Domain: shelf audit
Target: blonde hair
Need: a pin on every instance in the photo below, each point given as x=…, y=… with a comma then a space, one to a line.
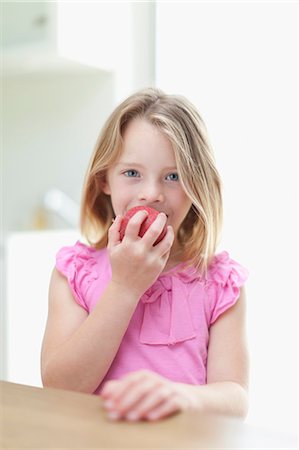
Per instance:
x=181, y=123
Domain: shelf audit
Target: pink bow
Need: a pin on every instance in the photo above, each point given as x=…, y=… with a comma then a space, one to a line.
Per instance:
x=167, y=317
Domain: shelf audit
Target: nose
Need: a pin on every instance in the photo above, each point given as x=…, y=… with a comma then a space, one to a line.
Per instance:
x=151, y=193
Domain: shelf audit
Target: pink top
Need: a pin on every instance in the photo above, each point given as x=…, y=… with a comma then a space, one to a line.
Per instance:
x=169, y=330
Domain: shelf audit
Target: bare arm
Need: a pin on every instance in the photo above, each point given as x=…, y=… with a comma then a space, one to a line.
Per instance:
x=228, y=358
x=78, y=348
x=226, y=390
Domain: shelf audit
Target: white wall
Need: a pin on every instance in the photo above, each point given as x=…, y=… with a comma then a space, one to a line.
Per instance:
x=117, y=36
x=52, y=114
x=50, y=126
x=237, y=62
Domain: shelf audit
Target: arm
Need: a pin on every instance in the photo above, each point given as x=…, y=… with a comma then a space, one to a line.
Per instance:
x=226, y=390
x=78, y=348
x=148, y=395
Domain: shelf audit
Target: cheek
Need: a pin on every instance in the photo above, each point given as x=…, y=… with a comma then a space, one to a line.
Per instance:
x=181, y=208
x=183, y=202
x=120, y=200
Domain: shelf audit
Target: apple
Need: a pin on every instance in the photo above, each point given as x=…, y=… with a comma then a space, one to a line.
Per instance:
x=152, y=214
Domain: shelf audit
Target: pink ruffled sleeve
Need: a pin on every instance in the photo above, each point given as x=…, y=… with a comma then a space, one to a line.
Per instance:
x=78, y=264
x=226, y=277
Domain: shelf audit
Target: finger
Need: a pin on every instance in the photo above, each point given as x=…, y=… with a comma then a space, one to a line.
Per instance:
x=113, y=391
x=131, y=400
x=120, y=387
x=112, y=395
x=165, y=244
x=109, y=388
x=149, y=402
x=139, y=396
x=113, y=232
x=165, y=409
x=116, y=389
x=134, y=224
x=155, y=229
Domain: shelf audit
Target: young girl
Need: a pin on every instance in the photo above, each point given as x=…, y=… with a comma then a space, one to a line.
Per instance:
x=154, y=329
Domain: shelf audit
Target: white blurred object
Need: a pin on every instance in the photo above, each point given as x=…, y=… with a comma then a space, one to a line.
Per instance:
x=29, y=258
x=58, y=202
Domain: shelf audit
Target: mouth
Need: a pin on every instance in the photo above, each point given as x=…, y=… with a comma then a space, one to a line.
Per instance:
x=167, y=215
x=163, y=213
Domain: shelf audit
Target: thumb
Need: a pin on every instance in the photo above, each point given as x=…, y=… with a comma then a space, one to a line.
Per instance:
x=113, y=232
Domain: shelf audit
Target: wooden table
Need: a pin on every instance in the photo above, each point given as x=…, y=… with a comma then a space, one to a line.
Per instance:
x=39, y=418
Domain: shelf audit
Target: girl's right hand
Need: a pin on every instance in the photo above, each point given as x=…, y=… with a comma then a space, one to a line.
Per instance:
x=136, y=263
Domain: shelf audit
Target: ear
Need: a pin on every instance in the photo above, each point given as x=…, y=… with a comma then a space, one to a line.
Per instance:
x=104, y=185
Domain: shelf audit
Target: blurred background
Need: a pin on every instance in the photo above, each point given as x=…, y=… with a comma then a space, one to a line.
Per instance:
x=65, y=66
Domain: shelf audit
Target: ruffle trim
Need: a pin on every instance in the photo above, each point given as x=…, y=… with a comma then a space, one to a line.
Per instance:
x=225, y=279
x=167, y=316
x=79, y=265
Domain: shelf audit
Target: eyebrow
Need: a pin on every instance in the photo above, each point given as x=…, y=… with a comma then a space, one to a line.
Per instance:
x=133, y=164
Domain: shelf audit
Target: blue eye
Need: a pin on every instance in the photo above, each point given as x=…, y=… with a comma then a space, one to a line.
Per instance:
x=173, y=177
x=131, y=173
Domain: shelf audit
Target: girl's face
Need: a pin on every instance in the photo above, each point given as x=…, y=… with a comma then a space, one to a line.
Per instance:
x=146, y=175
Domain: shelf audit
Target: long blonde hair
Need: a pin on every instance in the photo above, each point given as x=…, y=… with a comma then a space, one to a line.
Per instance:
x=181, y=123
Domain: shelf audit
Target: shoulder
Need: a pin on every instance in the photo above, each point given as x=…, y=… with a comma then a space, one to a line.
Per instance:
x=78, y=257
x=223, y=269
x=78, y=249
x=82, y=265
x=225, y=280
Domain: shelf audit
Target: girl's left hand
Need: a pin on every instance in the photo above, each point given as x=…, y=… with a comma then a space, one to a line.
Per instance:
x=146, y=395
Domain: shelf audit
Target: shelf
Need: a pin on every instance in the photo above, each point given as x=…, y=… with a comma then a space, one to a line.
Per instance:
x=39, y=59
x=42, y=37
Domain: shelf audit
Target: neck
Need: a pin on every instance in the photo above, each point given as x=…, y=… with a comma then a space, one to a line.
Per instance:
x=175, y=257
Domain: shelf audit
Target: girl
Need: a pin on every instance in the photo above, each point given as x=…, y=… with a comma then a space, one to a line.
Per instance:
x=154, y=329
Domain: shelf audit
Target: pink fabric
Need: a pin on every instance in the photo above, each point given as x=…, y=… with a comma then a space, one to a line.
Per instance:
x=169, y=330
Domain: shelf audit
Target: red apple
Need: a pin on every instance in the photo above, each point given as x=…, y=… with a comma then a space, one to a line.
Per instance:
x=152, y=214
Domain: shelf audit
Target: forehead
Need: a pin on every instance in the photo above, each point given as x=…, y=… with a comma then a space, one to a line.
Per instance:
x=141, y=139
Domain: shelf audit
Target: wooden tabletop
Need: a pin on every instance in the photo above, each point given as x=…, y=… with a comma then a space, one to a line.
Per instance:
x=51, y=418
